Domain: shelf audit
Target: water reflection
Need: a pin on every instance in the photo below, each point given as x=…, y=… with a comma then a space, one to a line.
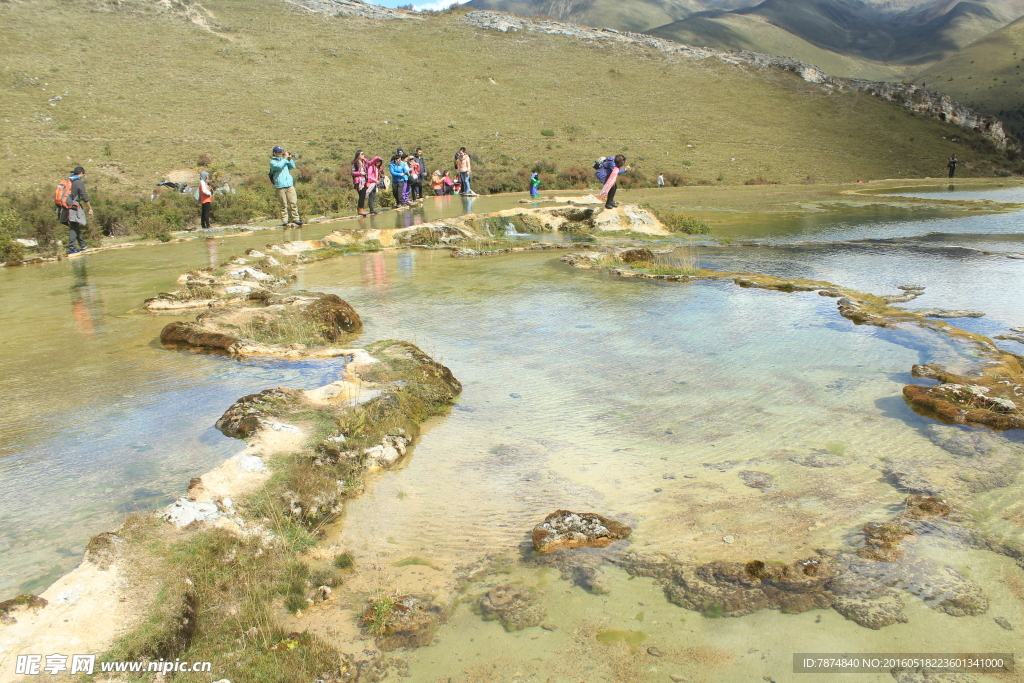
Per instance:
x=86, y=304
x=212, y=252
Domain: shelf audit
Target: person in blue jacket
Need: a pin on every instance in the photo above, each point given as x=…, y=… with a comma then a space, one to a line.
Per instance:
x=281, y=166
x=399, y=179
x=535, y=185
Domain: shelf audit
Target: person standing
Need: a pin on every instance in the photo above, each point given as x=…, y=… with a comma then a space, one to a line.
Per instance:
x=415, y=179
x=373, y=176
x=281, y=166
x=422, y=163
x=464, y=167
x=661, y=180
x=436, y=183
x=70, y=211
x=205, y=200
x=399, y=180
x=952, y=165
x=359, y=180
x=608, y=173
x=535, y=185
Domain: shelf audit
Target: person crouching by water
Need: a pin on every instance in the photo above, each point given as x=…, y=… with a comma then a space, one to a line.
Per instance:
x=359, y=180
x=205, y=193
x=71, y=213
x=399, y=179
x=281, y=166
x=373, y=176
x=608, y=172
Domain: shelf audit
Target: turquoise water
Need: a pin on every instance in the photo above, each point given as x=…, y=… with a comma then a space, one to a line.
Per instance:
x=581, y=392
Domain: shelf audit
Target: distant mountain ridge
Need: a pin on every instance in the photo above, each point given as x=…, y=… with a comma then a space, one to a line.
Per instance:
x=895, y=36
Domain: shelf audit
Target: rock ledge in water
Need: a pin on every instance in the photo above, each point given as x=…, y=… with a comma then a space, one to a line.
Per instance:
x=565, y=529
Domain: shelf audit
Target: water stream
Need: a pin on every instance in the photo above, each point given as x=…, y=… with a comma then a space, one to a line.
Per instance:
x=581, y=392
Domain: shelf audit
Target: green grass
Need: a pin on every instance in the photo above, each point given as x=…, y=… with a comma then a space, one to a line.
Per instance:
x=986, y=75
x=127, y=121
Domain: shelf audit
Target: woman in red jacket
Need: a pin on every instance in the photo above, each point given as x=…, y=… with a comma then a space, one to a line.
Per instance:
x=372, y=178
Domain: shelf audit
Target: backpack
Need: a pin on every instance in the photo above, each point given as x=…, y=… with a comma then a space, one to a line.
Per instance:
x=600, y=161
x=62, y=196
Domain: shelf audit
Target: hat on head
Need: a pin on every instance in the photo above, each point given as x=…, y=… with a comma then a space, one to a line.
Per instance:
x=78, y=170
x=203, y=175
x=277, y=150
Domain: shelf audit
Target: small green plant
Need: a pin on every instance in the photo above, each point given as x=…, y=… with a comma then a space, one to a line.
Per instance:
x=548, y=133
x=344, y=561
x=378, y=617
x=10, y=227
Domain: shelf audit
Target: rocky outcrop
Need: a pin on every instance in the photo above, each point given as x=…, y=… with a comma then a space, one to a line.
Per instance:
x=935, y=105
x=407, y=621
x=253, y=412
x=563, y=529
x=515, y=606
x=283, y=325
x=993, y=398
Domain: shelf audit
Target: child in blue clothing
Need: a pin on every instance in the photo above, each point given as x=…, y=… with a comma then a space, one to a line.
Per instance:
x=535, y=185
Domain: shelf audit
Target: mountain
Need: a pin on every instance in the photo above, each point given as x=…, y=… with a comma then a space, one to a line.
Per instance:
x=987, y=74
x=244, y=75
x=892, y=37
x=621, y=15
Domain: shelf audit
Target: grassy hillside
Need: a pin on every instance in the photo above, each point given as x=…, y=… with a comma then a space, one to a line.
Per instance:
x=987, y=75
x=142, y=93
x=733, y=31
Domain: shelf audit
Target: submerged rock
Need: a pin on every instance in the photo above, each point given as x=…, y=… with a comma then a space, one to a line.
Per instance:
x=733, y=589
x=565, y=529
x=756, y=480
x=514, y=606
x=819, y=460
x=882, y=540
x=874, y=613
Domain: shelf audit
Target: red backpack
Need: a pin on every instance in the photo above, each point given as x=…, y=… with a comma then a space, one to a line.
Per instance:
x=62, y=197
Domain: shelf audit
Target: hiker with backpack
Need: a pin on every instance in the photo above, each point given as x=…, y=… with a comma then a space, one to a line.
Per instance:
x=69, y=198
x=608, y=170
x=281, y=166
x=205, y=196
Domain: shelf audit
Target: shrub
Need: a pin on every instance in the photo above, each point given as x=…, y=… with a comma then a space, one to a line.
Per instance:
x=548, y=133
x=10, y=227
x=674, y=179
x=575, y=177
x=204, y=159
x=760, y=180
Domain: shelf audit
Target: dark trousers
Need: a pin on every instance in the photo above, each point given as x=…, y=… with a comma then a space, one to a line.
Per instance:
x=417, y=189
x=204, y=219
x=399, y=189
x=362, y=197
x=611, y=196
x=371, y=197
x=76, y=233
x=952, y=171
x=464, y=181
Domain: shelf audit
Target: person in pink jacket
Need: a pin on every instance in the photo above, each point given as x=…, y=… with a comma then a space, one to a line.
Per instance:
x=372, y=178
x=359, y=180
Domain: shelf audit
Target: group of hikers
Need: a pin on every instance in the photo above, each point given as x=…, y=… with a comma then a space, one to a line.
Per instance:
x=405, y=175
